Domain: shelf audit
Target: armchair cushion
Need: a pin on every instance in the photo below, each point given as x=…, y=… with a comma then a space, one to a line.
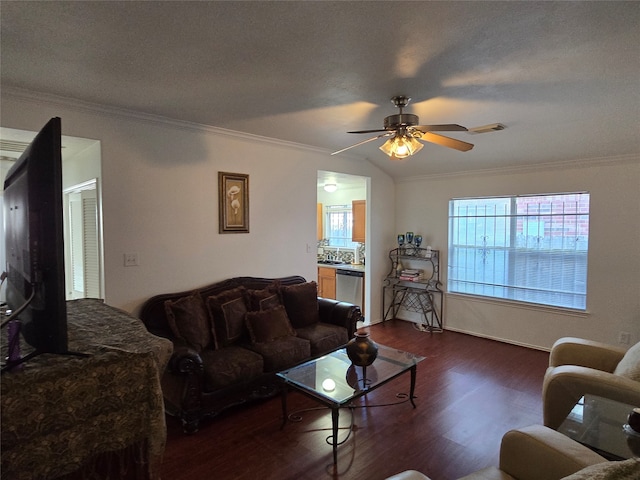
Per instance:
x=188, y=320
x=629, y=366
x=268, y=325
x=301, y=302
x=625, y=470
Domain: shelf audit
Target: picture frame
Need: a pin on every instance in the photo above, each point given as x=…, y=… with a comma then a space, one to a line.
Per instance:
x=233, y=202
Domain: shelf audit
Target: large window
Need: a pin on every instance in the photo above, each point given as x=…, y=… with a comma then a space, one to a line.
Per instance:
x=524, y=248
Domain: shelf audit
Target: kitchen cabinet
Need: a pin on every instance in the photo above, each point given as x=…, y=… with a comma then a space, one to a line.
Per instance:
x=319, y=222
x=359, y=212
x=327, y=282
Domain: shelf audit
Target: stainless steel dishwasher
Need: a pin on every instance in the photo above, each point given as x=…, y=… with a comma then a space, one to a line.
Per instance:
x=349, y=284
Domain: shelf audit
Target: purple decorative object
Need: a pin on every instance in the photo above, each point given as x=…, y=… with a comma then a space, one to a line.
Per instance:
x=13, y=337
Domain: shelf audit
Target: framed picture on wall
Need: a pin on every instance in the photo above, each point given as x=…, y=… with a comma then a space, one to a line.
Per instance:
x=233, y=202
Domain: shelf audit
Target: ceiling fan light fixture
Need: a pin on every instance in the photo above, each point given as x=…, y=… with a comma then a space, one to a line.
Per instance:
x=401, y=146
x=330, y=187
x=404, y=132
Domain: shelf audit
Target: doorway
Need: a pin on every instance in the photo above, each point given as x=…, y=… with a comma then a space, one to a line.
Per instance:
x=82, y=241
x=341, y=200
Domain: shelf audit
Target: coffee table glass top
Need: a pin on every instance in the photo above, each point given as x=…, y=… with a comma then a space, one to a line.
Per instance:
x=598, y=423
x=332, y=378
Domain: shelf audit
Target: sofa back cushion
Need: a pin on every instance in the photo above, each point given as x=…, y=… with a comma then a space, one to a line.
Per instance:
x=227, y=311
x=189, y=321
x=268, y=325
x=263, y=299
x=301, y=302
x=629, y=366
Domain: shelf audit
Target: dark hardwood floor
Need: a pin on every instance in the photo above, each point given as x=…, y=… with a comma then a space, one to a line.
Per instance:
x=470, y=391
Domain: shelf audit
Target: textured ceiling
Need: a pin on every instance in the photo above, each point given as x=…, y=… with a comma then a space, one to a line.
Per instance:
x=562, y=76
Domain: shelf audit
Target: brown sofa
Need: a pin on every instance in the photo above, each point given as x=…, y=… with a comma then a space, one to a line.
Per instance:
x=231, y=337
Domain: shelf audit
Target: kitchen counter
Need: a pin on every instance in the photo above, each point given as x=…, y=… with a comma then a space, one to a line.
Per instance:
x=343, y=266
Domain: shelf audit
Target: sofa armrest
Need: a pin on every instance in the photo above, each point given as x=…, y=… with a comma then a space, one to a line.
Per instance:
x=185, y=360
x=563, y=386
x=585, y=353
x=186, y=370
x=343, y=314
x=536, y=452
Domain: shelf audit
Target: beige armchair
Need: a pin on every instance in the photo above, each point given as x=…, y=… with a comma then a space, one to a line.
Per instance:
x=578, y=367
x=532, y=453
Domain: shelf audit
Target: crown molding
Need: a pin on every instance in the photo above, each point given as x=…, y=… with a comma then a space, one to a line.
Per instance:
x=548, y=166
x=144, y=118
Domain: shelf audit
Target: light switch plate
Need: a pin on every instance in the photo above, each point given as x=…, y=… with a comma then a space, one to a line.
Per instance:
x=130, y=259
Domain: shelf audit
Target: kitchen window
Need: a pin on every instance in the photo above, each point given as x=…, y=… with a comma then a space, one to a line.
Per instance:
x=339, y=224
x=530, y=248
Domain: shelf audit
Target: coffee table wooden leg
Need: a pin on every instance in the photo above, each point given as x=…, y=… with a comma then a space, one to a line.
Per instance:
x=335, y=412
x=414, y=370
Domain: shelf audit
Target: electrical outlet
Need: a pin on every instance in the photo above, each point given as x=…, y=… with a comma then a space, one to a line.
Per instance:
x=130, y=259
x=624, y=338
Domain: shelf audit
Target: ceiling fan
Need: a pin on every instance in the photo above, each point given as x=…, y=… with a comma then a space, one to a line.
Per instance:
x=405, y=132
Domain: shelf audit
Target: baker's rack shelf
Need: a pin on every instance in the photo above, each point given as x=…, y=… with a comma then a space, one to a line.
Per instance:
x=421, y=293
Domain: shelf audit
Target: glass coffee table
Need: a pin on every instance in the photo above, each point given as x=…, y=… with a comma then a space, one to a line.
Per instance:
x=599, y=423
x=334, y=381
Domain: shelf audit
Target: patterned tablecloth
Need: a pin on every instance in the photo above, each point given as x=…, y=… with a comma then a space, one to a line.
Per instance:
x=60, y=413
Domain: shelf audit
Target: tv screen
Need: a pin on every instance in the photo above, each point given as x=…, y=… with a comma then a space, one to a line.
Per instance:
x=34, y=239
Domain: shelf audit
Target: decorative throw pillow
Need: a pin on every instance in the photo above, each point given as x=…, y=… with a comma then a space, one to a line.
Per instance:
x=301, y=302
x=188, y=320
x=227, y=311
x=624, y=470
x=629, y=366
x=264, y=299
x=267, y=325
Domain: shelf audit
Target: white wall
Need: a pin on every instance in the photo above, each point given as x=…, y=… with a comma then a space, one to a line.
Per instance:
x=159, y=182
x=613, y=296
x=160, y=199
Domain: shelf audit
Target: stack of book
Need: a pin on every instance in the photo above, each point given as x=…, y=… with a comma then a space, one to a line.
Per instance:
x=410, y=275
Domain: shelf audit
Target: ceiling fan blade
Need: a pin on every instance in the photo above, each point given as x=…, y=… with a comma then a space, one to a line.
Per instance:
x=371, y=131
x=365, y=141
x=447, y=142
x=448, y=127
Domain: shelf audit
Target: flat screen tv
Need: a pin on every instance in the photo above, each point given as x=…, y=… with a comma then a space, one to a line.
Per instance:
x=34, y=239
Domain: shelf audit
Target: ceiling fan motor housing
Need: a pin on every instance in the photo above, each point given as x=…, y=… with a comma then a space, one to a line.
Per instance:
x=400, y=120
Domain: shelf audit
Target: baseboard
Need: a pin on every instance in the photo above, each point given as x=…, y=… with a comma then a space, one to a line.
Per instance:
x=480, y=335
x=498, y=339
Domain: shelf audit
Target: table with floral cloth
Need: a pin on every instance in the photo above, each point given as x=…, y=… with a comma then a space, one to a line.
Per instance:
x=62, y=415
